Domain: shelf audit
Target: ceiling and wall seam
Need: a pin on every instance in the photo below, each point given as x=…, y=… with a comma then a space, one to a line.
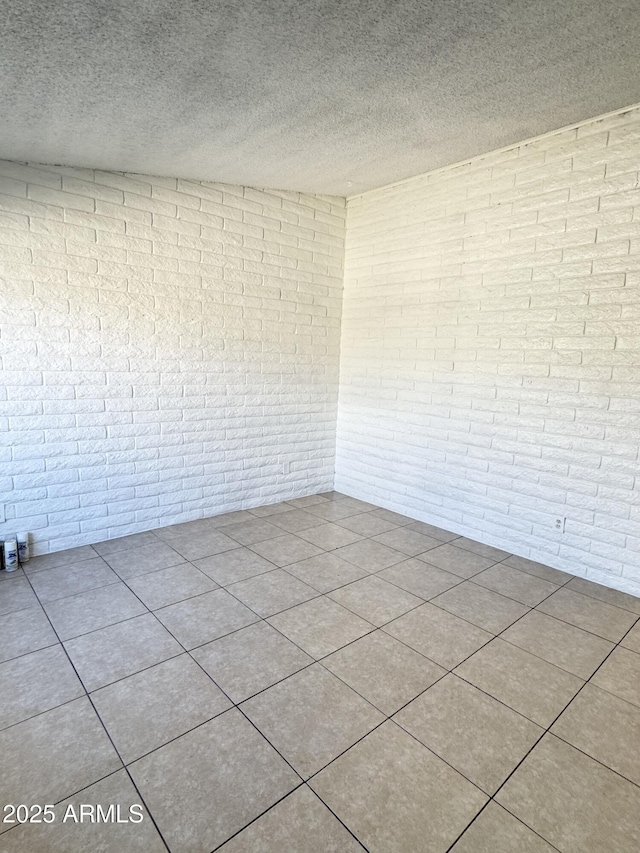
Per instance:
x=495, y=152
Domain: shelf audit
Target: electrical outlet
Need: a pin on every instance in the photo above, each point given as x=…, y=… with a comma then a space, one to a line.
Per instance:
x=3, y=514
x=558, y=524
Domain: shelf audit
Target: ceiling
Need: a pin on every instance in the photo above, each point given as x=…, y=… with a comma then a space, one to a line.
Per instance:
x=332, y=97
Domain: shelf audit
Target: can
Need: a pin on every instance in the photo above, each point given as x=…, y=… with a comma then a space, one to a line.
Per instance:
x=10, y=555
x=23, y=547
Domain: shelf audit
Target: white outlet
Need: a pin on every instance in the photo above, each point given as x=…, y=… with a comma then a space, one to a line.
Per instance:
x=558, y=524
x=3, y=514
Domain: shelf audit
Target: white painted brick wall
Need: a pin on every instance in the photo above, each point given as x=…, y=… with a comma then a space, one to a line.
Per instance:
x=168, y=350
x=490, y=367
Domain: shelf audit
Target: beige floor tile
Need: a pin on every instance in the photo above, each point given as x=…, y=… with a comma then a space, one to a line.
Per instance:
x=479, y=736
x=17, y=595
x=605, y=593
x=480, y=548
x=320, y=626
x=297, y=520
x=574, y=802
x=249, y=660
x=204, y=618
x=250, y=532
x=225, y=518
x=61, y=558
x=520, y=586
x=538, y=569
x=456, y=560
x=150, y=708
x=370, y=556
x=375, y=599
x=620, y=675
x=208, y=784
x=25, y=631
x=106, y=837
x=396, y=796
x=6, y=577
x=89, y=611
x=61, y=581
x=125, y=543
x=441, y=636
x=335, y=510
x=529, y=685
x=632, y=639
x=606, y=728
x=131, y=562
x=167, y=586
x=408, y=541
x=272, y=592
x=35, y=683
x=329, y=536
x=383, y=670
x=366, y=524
x=311, y=717
x=588, y=613
x=397, y=790
x=286, y=549
x=497, y=831
x=233, y=566
x=325, y=572
x=270, y=509
x=420, y=578
x=300, y=823
x=49, y=757
x=197, y=527
x=481, y=606
x=120, y=650
x=562, y=644
x=354, y=503
x=394, y=517
x=310, y=500
x=198, y=546
x=431, y=530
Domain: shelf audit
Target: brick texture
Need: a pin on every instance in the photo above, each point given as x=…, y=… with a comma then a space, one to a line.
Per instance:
x=169, y=350
x=490, y=357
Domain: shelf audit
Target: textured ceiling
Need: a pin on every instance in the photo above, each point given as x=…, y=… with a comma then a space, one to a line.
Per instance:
x=335, y=97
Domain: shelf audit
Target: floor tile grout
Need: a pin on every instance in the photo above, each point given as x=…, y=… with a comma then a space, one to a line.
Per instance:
x=547, y=731
x=108, y=734
x=374, y=628
x=319, y=595
x=407, y=557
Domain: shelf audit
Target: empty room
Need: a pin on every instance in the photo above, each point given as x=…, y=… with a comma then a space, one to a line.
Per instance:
x=319, y=426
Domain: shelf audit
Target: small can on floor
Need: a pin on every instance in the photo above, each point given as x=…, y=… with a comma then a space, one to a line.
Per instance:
x=10, y=555
x=23, y=547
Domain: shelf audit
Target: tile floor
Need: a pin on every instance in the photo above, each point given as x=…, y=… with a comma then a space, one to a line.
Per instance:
x=316, y=676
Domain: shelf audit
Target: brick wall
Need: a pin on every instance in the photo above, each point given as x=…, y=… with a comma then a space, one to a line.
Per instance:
x=490, y=368
x=169, y=350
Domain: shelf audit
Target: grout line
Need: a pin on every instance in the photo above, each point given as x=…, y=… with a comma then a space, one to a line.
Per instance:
x=257, y=817
x=319, y=660
x=320, y=594
x=476, y=816
x=338, y=818
x=546, y=732
x=117, y=752
x=234, y=705
x=182, y=734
